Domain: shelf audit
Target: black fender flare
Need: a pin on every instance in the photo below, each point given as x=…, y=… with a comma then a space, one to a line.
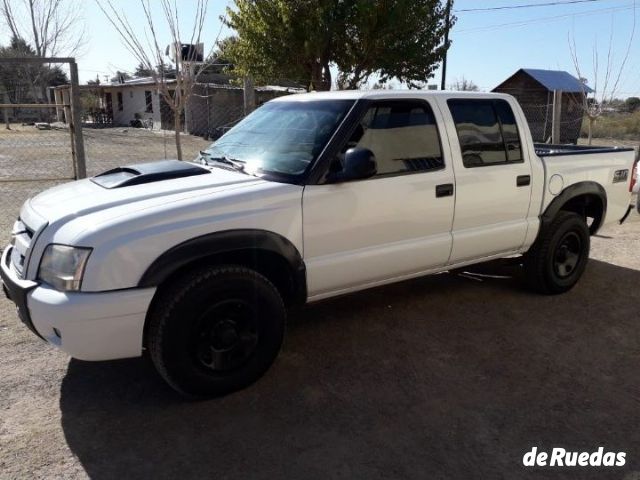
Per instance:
x=228, y=241
x=574, y=191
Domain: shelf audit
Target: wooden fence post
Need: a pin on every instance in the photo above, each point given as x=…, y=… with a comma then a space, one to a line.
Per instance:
x=76, y=115
x=556, y=117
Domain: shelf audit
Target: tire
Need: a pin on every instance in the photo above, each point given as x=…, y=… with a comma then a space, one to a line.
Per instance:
x=559, y=256
x=216, y=330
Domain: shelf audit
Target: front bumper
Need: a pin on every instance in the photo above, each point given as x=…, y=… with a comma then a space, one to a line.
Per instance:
x=87, y=326
x=16, y=289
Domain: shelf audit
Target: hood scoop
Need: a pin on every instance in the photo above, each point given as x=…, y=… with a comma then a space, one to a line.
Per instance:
x=147, y=173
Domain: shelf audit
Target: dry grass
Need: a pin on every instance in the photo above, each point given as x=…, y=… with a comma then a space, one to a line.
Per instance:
x=621, y=126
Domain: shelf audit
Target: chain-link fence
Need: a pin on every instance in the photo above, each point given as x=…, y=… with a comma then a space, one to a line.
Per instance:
x=540, y=120
x=122, y=123
x=538, y=106
x=35, y=152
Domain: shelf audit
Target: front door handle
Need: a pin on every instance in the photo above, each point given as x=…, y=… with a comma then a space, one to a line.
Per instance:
x=445, y=190
x=523, y=180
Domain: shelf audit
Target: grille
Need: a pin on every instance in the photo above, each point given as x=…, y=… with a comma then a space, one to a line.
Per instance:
x=21, y=236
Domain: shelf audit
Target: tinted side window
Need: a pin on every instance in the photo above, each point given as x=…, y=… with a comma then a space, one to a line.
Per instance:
x=478, y=131
x=403, y=136
x=509, y=131
x=487, y=132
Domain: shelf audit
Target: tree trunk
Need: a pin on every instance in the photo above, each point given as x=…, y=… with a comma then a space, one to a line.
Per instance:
x=591, y=121
x=320, y=78
x=327, y=75
x=177, y=126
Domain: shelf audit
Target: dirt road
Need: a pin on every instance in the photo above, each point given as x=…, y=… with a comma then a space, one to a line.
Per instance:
x=451, y=376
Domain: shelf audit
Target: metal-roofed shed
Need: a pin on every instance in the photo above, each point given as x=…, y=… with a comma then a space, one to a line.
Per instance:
x=534, y=90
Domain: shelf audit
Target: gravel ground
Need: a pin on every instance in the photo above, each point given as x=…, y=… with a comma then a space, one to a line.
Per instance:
x=449, y=376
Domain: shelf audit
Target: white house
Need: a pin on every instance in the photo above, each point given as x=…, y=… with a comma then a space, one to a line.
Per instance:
x=210, y=109
x=137, y=98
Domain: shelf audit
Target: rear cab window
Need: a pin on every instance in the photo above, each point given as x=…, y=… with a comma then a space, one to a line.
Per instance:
x=487, y=131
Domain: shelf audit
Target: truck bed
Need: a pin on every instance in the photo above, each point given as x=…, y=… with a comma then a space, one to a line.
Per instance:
x=549, y=150
x=566, y=165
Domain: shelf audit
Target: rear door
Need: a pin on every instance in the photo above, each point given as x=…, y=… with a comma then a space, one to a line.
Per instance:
x=493, y=178
x=393, y=225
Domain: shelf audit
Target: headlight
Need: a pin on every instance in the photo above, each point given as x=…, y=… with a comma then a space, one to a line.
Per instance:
x=62, y=266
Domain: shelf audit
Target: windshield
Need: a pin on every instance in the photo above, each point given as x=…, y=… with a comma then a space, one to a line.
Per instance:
x=281, y=137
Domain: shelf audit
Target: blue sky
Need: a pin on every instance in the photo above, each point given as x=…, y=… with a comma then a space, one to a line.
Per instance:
x=488, y=46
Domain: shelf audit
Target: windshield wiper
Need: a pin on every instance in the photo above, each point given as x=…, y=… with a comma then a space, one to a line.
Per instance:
x=236, y=164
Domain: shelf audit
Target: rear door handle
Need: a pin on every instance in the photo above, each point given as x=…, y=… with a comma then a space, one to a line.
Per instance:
x=445, y=190
x=523, y=180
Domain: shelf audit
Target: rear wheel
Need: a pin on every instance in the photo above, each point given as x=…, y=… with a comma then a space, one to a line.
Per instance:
x=216, y=330
x=557, y=259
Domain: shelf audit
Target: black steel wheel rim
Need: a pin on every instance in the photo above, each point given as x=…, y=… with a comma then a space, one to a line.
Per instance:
x=567, y=255
x=226, y=335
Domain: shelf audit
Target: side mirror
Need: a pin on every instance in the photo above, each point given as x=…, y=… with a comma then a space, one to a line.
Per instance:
x=358, y=164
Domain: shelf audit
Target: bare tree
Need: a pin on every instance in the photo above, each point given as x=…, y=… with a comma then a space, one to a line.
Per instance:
x=610, y=81
x=464, y=85
x=50, y=27
x=145, y=47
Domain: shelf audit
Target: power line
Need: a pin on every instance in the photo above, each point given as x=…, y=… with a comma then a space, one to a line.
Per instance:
x=546, y=19
x=529, y=5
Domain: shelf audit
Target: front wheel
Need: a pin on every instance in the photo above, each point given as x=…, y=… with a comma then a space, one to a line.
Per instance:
x=216, y=330
x=559, y=256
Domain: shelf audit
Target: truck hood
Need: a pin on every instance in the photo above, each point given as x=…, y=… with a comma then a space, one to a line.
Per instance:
x=120, y=186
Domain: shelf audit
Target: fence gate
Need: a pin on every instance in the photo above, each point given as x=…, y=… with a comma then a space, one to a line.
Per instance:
x=33, y=146
x=41, y=140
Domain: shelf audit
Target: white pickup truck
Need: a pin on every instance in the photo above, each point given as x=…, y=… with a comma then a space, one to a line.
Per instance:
x=309, y=197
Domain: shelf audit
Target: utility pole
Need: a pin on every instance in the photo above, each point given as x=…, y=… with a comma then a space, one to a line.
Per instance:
x=446, y=40
x=249, y=96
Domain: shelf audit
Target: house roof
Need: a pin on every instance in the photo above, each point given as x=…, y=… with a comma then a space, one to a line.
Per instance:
x=137, y=82
x=554, y=80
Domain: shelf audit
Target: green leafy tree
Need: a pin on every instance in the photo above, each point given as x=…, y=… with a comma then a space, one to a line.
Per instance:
x=302, y=39
x=219, y=61
x=119, y=76
x=632, y=104
x=95, y=83
x=142, y=71
x=27, y=83
x=166, y=70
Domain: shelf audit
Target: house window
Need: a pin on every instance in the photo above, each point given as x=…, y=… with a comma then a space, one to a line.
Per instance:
x=109, y=99
x=148, y=101
x=120, y=102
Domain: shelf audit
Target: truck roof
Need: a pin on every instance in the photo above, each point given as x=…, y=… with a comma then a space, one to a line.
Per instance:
x=385, y=94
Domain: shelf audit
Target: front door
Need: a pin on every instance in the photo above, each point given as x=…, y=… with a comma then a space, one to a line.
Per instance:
x=393, y=225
